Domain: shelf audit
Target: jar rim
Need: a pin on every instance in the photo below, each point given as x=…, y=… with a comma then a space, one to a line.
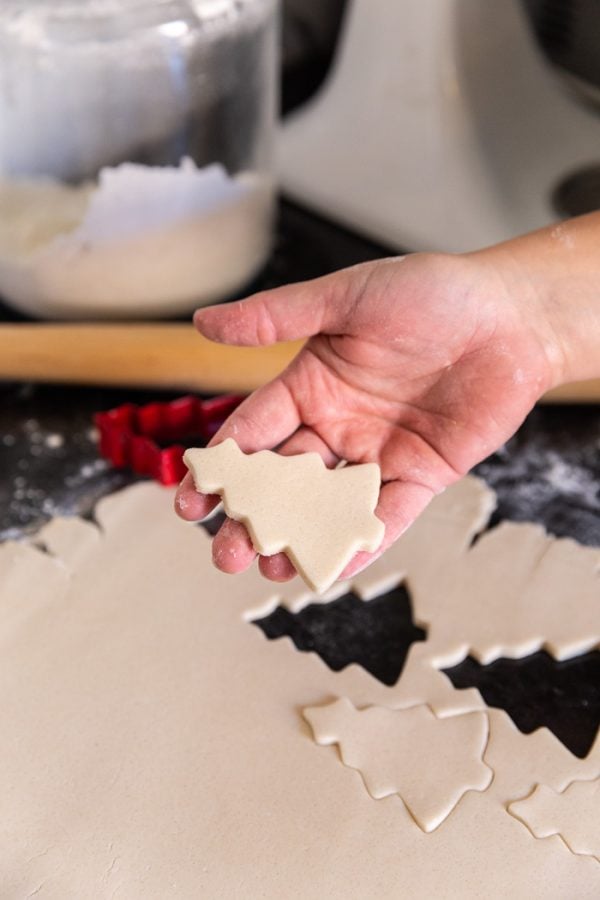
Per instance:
x=203, y=10
x=78, y=21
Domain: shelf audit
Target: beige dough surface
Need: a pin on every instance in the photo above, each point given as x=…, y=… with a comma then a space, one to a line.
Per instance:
x=389, y=746
x=319, y=517
x=153, y=744
x=573, y=814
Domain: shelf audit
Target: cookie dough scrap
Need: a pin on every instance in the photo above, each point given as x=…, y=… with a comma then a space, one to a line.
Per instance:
x=573, y=815
x=429, y=762
x=516, y=591
x=319, y=517
x=525, y=582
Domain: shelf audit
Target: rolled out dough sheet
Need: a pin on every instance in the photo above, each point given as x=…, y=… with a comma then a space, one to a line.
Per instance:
x=153, y=746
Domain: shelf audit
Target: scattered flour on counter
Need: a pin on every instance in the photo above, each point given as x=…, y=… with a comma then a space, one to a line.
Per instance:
x=570, y=479
x=146, y=240
x=91, y=469
x=43, y=482
x=559, y=486
x=54, y=441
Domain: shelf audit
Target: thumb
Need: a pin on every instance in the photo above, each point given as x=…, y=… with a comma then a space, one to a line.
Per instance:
x=290, y=313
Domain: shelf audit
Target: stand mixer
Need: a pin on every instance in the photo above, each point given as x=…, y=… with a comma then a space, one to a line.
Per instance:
x=445, y=125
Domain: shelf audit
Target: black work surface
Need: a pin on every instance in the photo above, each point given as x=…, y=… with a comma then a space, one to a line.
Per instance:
x=549, y=473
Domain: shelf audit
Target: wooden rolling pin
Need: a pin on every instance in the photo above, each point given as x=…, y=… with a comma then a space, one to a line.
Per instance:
x=161, y=356
x=136, y=355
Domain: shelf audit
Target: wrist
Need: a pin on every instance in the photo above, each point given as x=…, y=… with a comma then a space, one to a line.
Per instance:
x=526, y=307
x=553, y=278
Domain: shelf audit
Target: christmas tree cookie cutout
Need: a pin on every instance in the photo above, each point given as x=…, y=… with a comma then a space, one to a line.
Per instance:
x=319, y=517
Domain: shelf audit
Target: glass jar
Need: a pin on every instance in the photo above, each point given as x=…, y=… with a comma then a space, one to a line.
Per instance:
x=135, y=153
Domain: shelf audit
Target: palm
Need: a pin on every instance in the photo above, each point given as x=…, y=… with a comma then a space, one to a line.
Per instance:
x=428, y=429
x=425, y=370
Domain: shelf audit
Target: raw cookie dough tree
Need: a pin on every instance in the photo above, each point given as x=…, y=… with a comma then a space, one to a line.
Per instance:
x=319, y=517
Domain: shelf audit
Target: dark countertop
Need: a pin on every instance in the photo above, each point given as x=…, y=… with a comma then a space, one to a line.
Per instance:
x=548, y=473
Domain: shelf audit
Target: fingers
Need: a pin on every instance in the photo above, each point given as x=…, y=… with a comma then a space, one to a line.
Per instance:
x=232, y=548
x=285, y=314
x=276, y=568
x=264, y=419
x=399, y=505
x=192, y=506
x=233, y=553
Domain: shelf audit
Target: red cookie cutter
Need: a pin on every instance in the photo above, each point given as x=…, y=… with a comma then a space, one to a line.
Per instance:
x=133, y=437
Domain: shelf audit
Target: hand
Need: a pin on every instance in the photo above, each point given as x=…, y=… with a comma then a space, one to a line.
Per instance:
x=425, y=365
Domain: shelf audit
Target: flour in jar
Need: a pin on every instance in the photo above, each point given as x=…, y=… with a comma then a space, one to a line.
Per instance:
x=143, y=240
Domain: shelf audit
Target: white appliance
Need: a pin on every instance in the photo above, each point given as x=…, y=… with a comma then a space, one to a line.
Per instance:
x=442, y=125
